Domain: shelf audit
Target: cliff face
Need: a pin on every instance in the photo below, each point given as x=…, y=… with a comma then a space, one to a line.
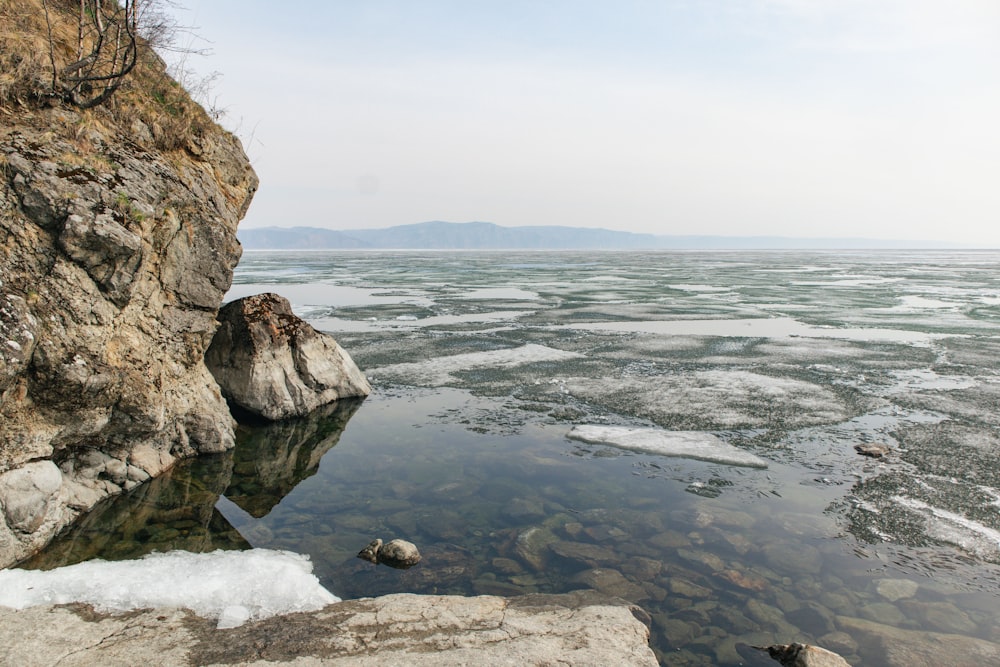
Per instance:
x=114, y=258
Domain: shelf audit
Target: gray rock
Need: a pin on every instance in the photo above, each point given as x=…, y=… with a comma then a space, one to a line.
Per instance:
x=804, y=655
x=399, y=553
x=274, y=364
x=575, y=629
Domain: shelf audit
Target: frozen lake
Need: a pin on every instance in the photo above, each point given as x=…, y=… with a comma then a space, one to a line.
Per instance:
x=714, y=401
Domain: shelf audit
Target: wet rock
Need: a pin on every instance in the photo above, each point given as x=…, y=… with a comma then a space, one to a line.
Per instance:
x=883, y=611
x=745, y=580
x=641, y=568
x=610, y=582
x=395, y=553
x=370, y=552
x=940, y=616
x=532, y=547
x=894, y=590
x=804, y=655
x=524, y=509
x=688, y=589
x=399, y=553
x=274, y=364
x=703, y=558
x=839, y=642
x=893, y=647
x=506, y=566
x=875, y=450
x=786, y=558
x=590, y=555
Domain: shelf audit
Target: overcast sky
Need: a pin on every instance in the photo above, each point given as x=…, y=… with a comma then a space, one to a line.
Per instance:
x=853, y=118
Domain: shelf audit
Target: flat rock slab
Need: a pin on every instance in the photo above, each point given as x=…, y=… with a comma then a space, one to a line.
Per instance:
x=581, y=628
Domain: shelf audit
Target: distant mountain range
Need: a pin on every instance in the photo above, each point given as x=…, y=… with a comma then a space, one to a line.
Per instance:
x=488, y=236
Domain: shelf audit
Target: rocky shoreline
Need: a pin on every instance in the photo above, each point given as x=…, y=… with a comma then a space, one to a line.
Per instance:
x=578, y=628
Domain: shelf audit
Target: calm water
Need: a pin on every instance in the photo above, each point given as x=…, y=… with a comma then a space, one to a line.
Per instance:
x=483, y=362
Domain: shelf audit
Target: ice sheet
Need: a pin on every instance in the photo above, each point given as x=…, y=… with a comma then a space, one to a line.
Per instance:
x=438, y=371
x=231, y=587
x=686, y=444
x=956, y=529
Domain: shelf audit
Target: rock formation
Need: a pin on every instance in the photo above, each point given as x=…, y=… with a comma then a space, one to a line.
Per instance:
x=274, y=364
x=580, y=628
x=116, y=253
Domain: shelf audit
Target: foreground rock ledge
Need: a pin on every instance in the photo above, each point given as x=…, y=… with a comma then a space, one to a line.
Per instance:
x=581, y=628
x=274, y=364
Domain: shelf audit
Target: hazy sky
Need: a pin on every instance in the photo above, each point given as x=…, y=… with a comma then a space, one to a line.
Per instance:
x=872, y=118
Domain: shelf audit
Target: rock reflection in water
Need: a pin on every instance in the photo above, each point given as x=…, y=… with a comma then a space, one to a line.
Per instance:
x=178, y=509
x=271, y=459
x=173, y=511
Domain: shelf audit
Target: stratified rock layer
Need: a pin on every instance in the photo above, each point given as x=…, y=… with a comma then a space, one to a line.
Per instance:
x=274, y=364
x=114, y=260
x=574, y=629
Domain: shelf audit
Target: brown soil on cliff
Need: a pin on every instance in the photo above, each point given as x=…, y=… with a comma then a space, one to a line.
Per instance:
x=150, y=107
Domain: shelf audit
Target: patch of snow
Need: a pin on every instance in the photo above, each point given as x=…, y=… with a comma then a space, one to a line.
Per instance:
x=231, y=587
x=685, y=444
x=407, y=318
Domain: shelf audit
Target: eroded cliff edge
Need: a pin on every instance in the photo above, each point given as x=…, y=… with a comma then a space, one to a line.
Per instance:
x=117, y=244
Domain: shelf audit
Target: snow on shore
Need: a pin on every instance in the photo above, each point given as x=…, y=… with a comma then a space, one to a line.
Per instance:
x=231, y=587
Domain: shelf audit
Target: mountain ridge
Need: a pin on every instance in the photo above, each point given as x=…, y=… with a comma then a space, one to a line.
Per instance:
x=441, y=235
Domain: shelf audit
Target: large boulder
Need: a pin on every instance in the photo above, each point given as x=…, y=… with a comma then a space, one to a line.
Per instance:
x=270, y=362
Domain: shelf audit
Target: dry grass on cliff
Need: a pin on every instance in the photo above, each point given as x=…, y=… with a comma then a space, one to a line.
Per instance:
x=149, y=108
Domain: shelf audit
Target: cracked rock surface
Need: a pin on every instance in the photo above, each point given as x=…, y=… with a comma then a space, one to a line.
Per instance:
x=114, y=258
x=580, y=628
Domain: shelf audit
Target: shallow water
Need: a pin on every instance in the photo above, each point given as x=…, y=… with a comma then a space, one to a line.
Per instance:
x=483, y=363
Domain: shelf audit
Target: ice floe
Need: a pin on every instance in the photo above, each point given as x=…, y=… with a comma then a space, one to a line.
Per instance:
x=762, y=327
x=956, y=529
x=685, y=444
x=438, y=371
x=231, y=587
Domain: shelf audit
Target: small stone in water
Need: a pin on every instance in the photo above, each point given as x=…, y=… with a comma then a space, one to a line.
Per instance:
x=370, y=553
x=875, y=450
x=399, y=553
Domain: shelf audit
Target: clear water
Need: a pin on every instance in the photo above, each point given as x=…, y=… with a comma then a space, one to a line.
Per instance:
x=483, y=362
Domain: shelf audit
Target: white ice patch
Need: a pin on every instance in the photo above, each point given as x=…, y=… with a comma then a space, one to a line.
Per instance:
x=763, y=327
x=438, y=371
x=501, y=293
x=925, y=378
x=685, y=444
x=956, y=529
x=231, y=587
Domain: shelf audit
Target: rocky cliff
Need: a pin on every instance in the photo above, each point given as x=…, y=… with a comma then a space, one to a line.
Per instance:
x=117, y=244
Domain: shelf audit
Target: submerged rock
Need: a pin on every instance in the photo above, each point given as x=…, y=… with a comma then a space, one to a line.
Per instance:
x=272, y=363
